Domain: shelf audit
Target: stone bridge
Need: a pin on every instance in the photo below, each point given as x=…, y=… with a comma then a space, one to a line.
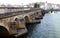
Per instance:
x=11, y=22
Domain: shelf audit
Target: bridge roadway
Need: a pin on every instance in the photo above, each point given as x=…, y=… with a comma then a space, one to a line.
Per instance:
x=25, y=10
x=10, y=14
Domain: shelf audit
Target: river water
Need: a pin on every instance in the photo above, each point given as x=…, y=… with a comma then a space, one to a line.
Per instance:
x=48, y=28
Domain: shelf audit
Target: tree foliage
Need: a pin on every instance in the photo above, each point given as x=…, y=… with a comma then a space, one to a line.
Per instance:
x=36, y=5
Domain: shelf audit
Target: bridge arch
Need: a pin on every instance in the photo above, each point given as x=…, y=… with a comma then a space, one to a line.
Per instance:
x=16, y=18
x=4, y=30
x=27, y=19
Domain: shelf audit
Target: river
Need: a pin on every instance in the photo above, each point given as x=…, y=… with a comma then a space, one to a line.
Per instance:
x=48, y=28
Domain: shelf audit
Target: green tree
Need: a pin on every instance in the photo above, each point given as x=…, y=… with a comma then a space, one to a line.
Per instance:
x=36, y=5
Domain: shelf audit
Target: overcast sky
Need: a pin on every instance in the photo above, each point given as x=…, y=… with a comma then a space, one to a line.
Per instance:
x=24, y=2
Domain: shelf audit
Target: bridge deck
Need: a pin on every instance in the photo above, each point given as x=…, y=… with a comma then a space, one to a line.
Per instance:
x=10, y=14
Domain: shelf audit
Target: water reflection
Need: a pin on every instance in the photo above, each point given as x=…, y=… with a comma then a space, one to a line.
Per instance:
x=48, y=28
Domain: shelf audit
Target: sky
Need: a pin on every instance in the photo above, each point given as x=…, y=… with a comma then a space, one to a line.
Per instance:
x=24, y=2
